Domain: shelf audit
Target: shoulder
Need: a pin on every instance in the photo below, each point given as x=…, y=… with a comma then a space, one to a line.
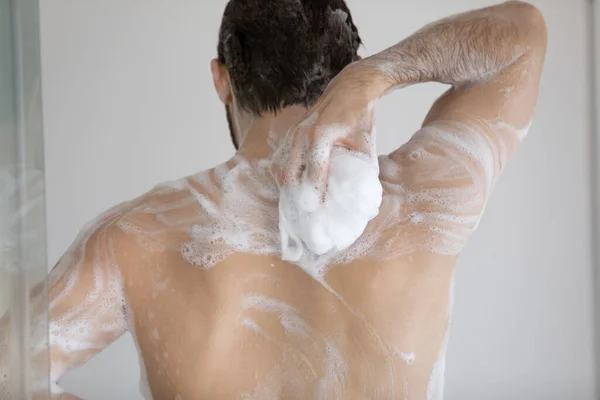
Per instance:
x=438, y=183
x=121, y=228
x=457, y=160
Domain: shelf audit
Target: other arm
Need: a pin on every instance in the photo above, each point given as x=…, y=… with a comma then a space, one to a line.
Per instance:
x=86, y=308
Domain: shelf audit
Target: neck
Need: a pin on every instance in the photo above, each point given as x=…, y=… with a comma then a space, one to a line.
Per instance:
x=260, y=136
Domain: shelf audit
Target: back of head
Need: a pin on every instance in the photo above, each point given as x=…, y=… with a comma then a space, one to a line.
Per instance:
x=281, y=53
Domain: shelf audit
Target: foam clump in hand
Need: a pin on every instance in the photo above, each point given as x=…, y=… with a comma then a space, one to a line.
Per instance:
x=352, y=199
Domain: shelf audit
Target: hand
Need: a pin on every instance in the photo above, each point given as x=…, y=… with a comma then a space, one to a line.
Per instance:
x=327, y=172
x=342, y=117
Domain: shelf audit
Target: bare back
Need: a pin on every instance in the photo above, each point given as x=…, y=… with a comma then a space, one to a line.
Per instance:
x=195, y=269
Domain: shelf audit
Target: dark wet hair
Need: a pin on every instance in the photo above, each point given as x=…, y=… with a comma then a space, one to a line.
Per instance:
x=285, y=52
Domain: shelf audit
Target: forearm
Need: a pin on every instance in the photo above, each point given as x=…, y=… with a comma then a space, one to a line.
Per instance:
x=462, y=49
x=39, y=360
x=40, y=383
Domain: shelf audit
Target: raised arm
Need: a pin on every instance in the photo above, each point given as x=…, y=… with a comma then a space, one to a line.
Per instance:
x=87, y=308
x=493, y=58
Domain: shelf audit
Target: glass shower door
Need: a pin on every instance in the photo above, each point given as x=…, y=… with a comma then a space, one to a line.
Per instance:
x=24, y=366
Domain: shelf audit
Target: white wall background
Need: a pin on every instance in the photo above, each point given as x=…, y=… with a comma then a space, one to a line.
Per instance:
x=129, y=102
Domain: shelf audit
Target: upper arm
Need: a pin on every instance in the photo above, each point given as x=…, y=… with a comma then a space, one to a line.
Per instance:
x=449, y=167
x=87, y=307
x=482, y=123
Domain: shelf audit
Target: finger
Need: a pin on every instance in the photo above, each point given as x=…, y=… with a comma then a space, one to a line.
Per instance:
x=277, y=173
x=317, y=168
x=278, y=161
x=293, y=164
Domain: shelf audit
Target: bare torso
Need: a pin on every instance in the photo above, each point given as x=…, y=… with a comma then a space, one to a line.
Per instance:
x=217, y=314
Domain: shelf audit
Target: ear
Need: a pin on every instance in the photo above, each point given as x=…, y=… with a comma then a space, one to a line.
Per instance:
x=221, y=81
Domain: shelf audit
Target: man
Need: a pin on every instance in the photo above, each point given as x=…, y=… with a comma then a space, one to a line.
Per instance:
x=194, y=269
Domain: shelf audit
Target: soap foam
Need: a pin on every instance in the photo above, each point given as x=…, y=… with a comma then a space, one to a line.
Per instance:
x=352, y=199
x=408, y=358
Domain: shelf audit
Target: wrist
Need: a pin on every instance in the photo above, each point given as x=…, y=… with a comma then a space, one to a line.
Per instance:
x=384, y=74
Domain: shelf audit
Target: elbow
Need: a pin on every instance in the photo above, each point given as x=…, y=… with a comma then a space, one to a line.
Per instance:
x=533, y=24
x=537, y=24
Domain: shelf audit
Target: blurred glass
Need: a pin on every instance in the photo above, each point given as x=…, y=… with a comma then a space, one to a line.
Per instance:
x=24, y=372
